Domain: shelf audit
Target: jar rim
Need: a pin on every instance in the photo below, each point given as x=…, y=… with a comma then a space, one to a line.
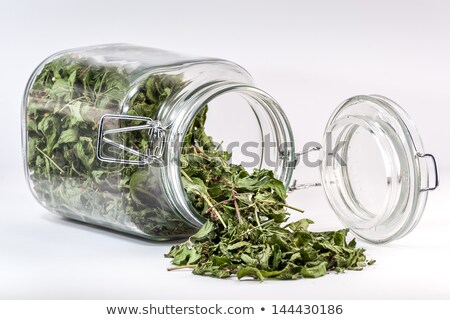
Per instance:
x=262, y=104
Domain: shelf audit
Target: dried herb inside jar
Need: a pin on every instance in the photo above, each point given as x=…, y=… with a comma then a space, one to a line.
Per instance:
x=65, y=103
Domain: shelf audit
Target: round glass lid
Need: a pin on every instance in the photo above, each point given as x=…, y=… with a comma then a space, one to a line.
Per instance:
x=374, y=170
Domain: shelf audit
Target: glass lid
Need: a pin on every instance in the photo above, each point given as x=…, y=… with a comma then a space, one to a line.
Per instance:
x=374, y=170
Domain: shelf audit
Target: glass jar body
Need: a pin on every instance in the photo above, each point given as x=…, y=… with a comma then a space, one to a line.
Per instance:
x=78, y=99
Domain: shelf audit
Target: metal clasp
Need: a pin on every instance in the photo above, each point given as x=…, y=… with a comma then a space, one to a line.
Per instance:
x=156, y=144
x=436, y=171
x=295, y=185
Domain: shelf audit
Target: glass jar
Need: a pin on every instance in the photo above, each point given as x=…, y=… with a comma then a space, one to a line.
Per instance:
x=104, y=128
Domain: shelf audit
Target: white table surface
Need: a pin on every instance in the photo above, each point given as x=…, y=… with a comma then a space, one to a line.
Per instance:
x=44, y=256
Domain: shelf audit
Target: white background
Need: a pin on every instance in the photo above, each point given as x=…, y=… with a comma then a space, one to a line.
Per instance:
x=309, y=55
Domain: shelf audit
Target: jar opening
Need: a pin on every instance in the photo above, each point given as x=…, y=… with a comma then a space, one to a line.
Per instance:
x=370, y=180
x=244, y=121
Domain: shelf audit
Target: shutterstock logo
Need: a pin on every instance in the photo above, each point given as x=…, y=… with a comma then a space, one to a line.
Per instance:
x=268, y=153
x=331, y=152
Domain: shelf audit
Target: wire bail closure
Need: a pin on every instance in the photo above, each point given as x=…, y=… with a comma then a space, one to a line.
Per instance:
x=156, y=144
x=295, y=185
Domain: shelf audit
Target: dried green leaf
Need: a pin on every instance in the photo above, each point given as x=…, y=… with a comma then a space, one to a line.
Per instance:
x=315, y=271
x=250, y=272
x=204, y=231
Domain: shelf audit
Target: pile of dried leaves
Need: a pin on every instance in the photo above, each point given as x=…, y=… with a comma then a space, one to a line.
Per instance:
x=247, y=232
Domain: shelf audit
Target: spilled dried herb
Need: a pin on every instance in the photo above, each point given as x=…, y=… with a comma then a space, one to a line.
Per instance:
x=247, y=233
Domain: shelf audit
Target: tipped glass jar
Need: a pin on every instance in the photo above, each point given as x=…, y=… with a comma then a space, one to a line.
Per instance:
x=104, y=129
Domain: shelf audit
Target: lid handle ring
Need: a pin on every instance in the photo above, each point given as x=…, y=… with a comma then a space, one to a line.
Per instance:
x=436, y=172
